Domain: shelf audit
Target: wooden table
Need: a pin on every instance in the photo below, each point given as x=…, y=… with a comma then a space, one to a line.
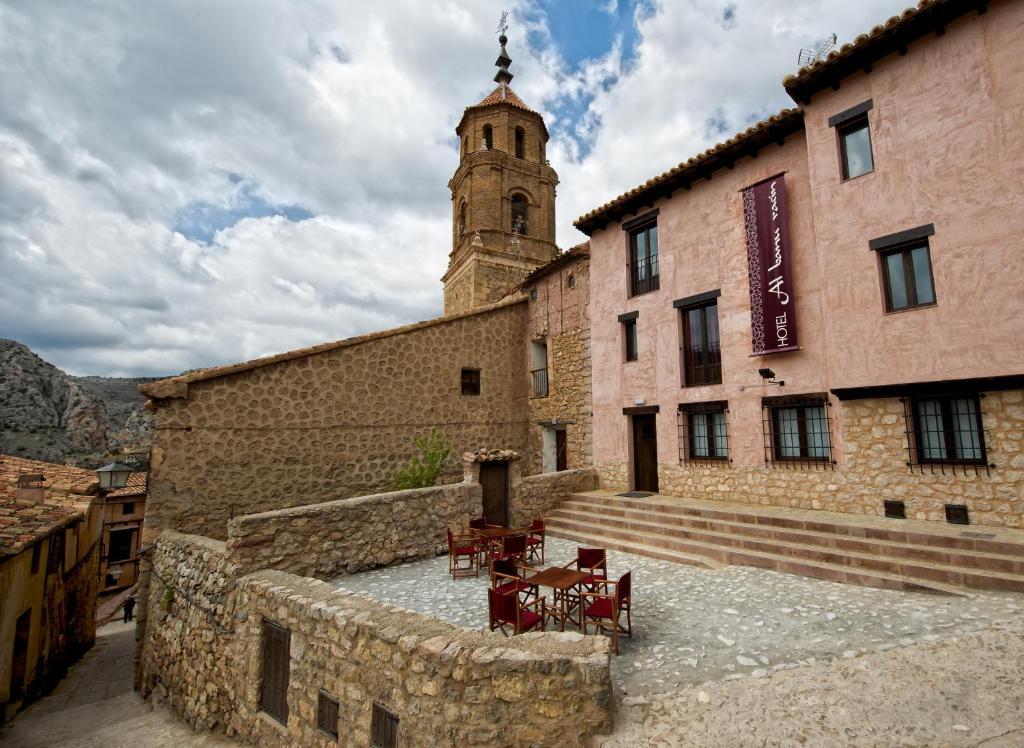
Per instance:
x=560, y=580
x=491, y=537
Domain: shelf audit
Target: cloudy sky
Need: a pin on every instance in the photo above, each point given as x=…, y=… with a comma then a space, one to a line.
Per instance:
x=190, y=183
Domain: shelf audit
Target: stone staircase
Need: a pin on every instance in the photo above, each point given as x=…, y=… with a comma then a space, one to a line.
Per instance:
x=870, y=551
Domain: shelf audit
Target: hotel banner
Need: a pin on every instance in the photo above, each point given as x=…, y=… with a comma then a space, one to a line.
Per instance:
x=772, y=313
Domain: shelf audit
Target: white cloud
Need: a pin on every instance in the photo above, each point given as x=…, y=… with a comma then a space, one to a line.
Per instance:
x=115, y=117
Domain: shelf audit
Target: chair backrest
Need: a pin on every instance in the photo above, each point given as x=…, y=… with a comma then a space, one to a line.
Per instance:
x=514, y=544
x=623, y=588
x=478, y=523
x=590, y=558
x=502, y=607
x=504, y=566
x=537, y=525
x=451, y=541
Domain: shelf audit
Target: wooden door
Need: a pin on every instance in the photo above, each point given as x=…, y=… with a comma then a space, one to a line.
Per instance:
x=561, y=450
x=19, y=661
x=494, y=480
x=645, y=453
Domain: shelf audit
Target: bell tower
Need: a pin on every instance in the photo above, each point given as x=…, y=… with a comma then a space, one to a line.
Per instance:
x=503, y=197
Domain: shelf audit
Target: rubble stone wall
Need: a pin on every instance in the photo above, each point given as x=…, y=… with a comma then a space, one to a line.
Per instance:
x=560, y=316
x=350, y=535
x=332, y=422
x=873, y=468
x=536, y=495
x=448, y=685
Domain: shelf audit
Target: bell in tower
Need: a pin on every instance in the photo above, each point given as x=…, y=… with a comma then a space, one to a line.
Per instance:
x=503, y=197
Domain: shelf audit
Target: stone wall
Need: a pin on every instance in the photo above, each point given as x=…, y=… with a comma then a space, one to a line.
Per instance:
x=350, y=535
x=448, y=685
x=535, y=496
x=333, y=421
x=873, y=468
x=559, y=315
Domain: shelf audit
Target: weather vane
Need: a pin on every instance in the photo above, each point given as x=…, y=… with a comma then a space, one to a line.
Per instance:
x=503, y=23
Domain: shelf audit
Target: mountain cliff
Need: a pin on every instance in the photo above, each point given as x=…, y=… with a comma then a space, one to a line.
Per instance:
x=49, y=415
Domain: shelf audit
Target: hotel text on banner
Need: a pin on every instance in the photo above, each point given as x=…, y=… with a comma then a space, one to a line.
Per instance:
x=772, y=303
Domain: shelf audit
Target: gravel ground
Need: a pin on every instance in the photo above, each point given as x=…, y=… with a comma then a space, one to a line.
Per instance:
x=693, y=626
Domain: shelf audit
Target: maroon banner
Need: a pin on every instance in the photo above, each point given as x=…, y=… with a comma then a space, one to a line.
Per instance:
x=772, y=303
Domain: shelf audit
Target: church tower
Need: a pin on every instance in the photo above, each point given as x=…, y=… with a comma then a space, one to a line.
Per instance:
x=503, y=198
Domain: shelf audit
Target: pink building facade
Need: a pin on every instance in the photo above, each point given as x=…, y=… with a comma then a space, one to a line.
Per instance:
x=902, y=175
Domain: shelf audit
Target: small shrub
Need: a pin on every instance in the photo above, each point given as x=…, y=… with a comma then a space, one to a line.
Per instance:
x=422, y=471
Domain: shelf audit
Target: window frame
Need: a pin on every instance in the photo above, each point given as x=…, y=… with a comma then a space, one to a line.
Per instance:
x=688, y=373
x=910, y=281
x=521, y=198
x=535, y=373
x=463, y=382
x=915, y=441
x=520, y=142
x=645, y=224
x=630, y=353
x=685, y=427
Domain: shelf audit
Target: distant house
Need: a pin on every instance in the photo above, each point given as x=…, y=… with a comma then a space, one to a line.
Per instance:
x=50, y=527
x=123, y=510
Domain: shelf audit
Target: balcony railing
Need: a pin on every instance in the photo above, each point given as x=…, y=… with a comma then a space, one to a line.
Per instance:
x=540, y=382
x=643, y=276
x=703, y=364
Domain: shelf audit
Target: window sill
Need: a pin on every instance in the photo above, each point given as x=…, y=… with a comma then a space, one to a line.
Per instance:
x=847, y=180
x=269, y=719
x=889, y=312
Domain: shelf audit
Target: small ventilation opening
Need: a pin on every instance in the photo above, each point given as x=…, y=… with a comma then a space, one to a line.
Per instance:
x=895, y=509
x=384, y=727
x=956, y=514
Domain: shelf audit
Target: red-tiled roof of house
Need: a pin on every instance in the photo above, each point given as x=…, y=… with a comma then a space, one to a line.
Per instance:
x=67, y=490
x=895, y=35
x=62, y=482
x=136, y=487
x=770, y=130
x=580, y=251
x=23, y=523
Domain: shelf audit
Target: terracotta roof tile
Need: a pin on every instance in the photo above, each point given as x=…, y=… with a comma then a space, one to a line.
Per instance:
x=61, y=481
x=580, y=251
x=23, y=523
x=785, y=121
x=136, y=486
x=893, y=35
x=503, y=94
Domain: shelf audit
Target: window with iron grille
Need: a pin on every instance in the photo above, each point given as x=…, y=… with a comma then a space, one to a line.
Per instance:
x=383, y=727
x=471, y=382
x=702, y=349
x=276, y=648
x=945, y=430
x=539, y=367
x=643, y=259
x=327, y=714
x=796, y=431
x=704, y=433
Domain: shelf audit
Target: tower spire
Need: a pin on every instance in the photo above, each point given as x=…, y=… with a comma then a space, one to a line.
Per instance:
x=503, y=76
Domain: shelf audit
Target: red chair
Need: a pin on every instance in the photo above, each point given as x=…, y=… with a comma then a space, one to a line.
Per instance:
x=604, y=609
x=535, y=542
x=509, y=610
x=462, y=548
x=507, y=579
x=593, y=561
x=512, y=547
x=477, y=524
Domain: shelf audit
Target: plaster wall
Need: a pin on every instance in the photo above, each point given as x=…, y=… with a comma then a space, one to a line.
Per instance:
x=948, y=149
x=702, y=248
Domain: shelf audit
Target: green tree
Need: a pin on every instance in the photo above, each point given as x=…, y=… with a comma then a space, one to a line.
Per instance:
x=423, y=470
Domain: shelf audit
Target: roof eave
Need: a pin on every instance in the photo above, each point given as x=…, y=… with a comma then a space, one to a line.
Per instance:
x=685, y=175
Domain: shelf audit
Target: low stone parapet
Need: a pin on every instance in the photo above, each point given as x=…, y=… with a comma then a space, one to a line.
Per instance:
x=537, y=495
x=342, y=537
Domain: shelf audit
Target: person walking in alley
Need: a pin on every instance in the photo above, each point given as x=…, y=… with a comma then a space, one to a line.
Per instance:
x=129, y=608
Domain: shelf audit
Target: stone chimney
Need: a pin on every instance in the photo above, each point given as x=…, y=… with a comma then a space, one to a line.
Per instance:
x=30, y=488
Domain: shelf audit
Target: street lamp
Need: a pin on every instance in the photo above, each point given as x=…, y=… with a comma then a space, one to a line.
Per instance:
x=114, y=475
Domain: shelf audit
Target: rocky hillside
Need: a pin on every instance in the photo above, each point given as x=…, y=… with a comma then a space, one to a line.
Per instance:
x=48, y=415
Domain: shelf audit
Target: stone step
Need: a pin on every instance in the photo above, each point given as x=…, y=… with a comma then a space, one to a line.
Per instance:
x=723, y=547
x=913, y=532
x=653, y=547
x=603, y=514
